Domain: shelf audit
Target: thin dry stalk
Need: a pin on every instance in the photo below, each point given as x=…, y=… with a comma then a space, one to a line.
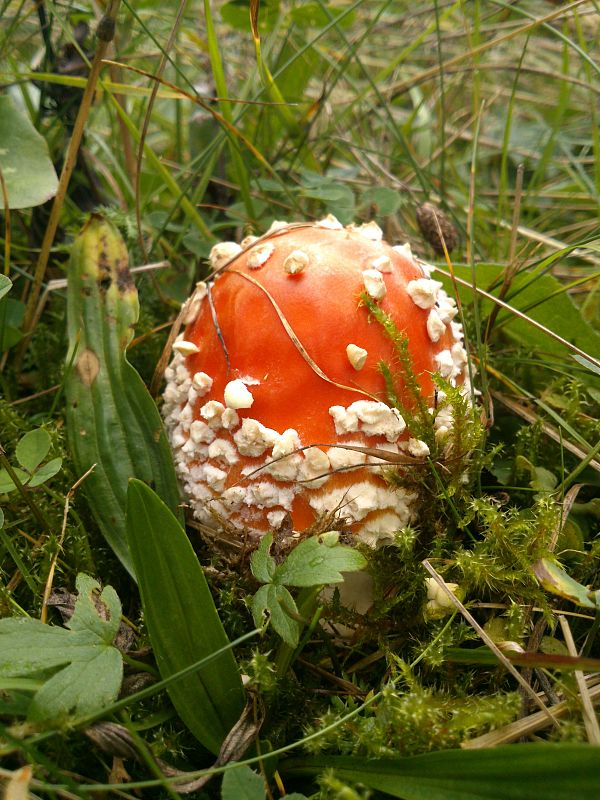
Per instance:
x=48, y=586
x=567, y=505
x=61, y=283
x=527, y=725
x=6, y=210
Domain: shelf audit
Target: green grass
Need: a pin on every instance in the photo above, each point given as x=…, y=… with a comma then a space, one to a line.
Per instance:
x=361, y=109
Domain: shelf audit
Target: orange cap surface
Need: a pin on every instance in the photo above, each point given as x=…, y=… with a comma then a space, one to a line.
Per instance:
x=280, y=354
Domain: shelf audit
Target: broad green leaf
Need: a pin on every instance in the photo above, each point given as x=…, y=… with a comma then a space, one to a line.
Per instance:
x=113, y=423
x=315, y=15
x=81, y=670
x=337, y=198
x=24, y=160
x=314, y=562
x=275, y=602
x=6, y=482
x=33, y=448
x=11, y=319
x=45, y=472
x=100, y=614
x=554, y=579
x=542, y=480
x=514, y=772
x=538, y=300
x=81, y=688
x=243, y=784
x=28, y=647
x=1, y=518
x=182, y=620
x=385, y=200
x=14, y=704
x=262, y=564
x=5, y=284
x=236, y=14
x=302, y=64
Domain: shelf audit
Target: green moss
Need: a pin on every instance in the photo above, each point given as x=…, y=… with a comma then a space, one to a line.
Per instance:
x=411, y=721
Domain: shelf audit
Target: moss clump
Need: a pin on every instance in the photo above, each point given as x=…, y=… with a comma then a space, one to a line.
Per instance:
x=412, y=721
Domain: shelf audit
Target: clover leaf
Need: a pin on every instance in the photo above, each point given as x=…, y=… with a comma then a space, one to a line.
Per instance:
x=31, y=451
x=316, y=561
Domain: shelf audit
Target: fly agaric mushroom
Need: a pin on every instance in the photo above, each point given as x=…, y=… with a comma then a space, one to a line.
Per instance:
x=276, y=376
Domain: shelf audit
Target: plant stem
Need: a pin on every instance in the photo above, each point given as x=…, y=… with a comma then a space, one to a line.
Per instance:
x=307, y=609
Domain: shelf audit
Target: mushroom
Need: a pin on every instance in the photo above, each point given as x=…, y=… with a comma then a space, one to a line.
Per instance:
x=276, y=378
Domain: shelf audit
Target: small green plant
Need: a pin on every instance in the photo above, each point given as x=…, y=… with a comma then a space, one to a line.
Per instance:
x=30, y=453
x=314, y=563
x=243, y=783
x=74, y=670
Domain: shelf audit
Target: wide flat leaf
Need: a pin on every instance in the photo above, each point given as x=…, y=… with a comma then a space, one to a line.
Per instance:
x=537, y=297
x=515, y=772
x=318, y=560
x=276, y=603
x=113, y=423
x=45, y=472
x=243, y=783
x=6, y=482
x=24, y=160
x=80, y=669
x=28, y=647
x=12, y=313
x=262, y=563
x=385, y=200
x=5, y=284
x=100, y=614
x=33, y=448
x=81, y=688
x=182, y=620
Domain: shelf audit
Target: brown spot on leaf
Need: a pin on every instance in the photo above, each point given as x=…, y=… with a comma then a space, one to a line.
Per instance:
x=88, y=367
x=124, y=280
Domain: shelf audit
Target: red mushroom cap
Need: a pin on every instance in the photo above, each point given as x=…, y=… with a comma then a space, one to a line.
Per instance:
x=279, y=364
